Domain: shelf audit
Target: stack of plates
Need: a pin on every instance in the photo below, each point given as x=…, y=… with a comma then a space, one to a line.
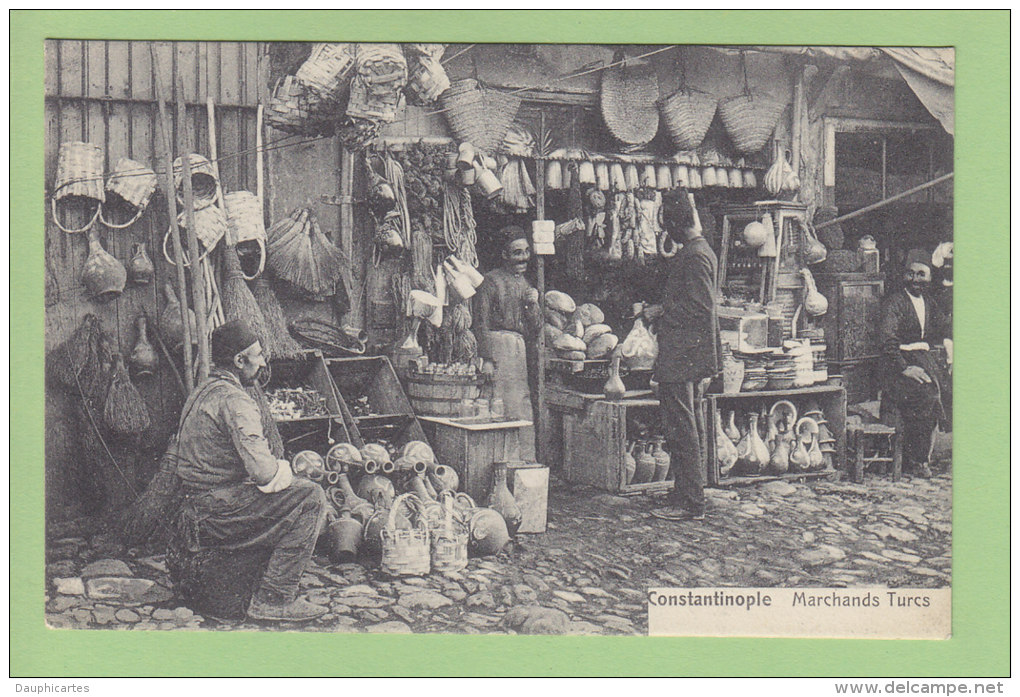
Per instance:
x=782, y=373
x=754, y=379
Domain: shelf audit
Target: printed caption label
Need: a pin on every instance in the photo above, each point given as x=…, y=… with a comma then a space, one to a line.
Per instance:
x=836, y=613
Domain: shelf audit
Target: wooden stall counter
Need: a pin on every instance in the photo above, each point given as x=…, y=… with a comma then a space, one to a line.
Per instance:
x=471, y=447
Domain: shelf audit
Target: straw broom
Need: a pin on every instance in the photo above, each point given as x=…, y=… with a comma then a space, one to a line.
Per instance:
x=279, y=342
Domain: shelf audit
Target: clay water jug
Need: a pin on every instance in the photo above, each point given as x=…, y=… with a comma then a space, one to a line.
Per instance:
x=772, y=432
x=170, y=323
x=614, y=387
x=816, y=460
x=779, y=461
x=752, y=455
x=502, y=501
x=415, y=484
x=725, y=450
x=351, y=499
x=629, y=463
x=815, y=303
x=375, y=485
x=644, y=463
x=443, y=478
x=800, y=460
x=732, y=432
x=662, y=461
x=140, y=269
x=103, y=277
x=488, y=532
x=143, y=357
x=344, y=537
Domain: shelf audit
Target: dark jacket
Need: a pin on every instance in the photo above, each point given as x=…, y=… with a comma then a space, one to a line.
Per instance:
x=900, y=326
x=689, y=326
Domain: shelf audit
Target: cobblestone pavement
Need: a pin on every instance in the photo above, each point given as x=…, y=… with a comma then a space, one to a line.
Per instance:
x=588, y=574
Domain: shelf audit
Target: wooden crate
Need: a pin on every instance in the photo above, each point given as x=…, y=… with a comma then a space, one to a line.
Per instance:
x=392, y=418
x=310, y=432
x=473, y=448
x=831, y=399
x=595, y=436
x=529, y=483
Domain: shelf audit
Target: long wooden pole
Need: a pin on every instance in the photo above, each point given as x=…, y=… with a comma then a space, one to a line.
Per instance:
x=166, y=129
x=197, y=271
x=540, y=269
x=886, y=202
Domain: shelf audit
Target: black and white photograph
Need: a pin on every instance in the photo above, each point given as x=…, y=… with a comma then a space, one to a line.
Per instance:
x=568, y=339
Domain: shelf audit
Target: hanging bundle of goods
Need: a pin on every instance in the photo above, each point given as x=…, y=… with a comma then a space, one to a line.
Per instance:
x=279, y=342
x=781, y=179
x=380, y=73
x=628, y=95
x=301, y=255
x=78, y=188
x=128, y=190
x=125, y=412
x=478, y=114
x=459, y=232
x=423, y=166
x=77, y=365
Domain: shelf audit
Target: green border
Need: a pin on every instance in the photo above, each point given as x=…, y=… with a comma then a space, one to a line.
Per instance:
x=980, y=643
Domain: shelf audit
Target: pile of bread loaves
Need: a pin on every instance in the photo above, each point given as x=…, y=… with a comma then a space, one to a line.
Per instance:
x=576, y=332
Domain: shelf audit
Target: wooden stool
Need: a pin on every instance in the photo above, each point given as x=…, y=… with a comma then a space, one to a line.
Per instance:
x=862, y=437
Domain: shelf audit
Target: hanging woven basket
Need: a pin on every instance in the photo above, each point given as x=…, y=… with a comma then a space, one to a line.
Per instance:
x=380, y=76
x=203, y=180
x=210, y=227
x=293, y=109
x=327, y=71
x=628, y=96
x=749, y=120
x=687, y=114
x=78, y=185
x=428, y=80
x=479, y=115
x=130, y=185
x=246, y=226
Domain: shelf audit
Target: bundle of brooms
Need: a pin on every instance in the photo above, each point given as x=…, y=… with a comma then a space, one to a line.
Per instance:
x=279, y=342
x=300, y=254
x=125, y=412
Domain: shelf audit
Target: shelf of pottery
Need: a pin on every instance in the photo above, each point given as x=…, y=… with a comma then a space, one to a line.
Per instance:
x=798, y=433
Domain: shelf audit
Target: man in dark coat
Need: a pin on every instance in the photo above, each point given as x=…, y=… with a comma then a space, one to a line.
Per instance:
x=914, y=380
x=689, y=354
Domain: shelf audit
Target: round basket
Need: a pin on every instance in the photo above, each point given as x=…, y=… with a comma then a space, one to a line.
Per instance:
x=79, y=182
x=688, y=115
x=406, y=551
x=749, y=120
x=629, y=93
x=133, y=184
x=327, y=69
x=479, y=115
x=292, y=109
x=203, y=180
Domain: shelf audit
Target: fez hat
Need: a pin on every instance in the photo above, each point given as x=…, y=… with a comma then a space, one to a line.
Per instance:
x=230, y=339
x=918, y=256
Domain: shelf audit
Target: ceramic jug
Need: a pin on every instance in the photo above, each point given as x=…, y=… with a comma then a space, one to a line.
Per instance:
x=752, y=455
x=725, y=450
x=629, y=463
x=779, y=461
x=143, y=357
x=343, y=537
x=614, y=387
x=816, y=460
x=800, y=460
x=644, y=463
x=662, y=461
x=488, y=532
x=140, y=269
x=372, y=485
x=443, y=478
x=351, y=499
x=502, y=501
x=731, y=428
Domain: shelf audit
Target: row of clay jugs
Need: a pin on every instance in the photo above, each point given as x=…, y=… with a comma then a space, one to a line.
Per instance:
x=752, y=453
x=143, y=358
x=644, y=463
x=725, y=449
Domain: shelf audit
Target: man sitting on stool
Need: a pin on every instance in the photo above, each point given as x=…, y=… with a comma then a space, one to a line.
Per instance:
x=913, y=378
x=237, y=495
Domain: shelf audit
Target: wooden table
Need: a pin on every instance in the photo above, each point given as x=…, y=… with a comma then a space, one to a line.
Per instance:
x=472, y=447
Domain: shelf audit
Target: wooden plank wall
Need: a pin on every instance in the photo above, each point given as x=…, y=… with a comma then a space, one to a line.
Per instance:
x=103, y=92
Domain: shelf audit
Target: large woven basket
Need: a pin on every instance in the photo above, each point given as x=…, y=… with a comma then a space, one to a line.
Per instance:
x=428, y=80
x=479, y=115
x=210, y=227
x=79, y=180
x=629, y=94
x=749, y=120
x=406, y=551
x=380, y=76
x=327, y=70
x=203, y=180
x=293, y=109
x=688, y=115
x=245, y=224
x=132, y=183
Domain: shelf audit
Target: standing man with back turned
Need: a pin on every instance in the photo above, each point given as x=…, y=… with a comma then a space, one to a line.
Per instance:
x=689, y=355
